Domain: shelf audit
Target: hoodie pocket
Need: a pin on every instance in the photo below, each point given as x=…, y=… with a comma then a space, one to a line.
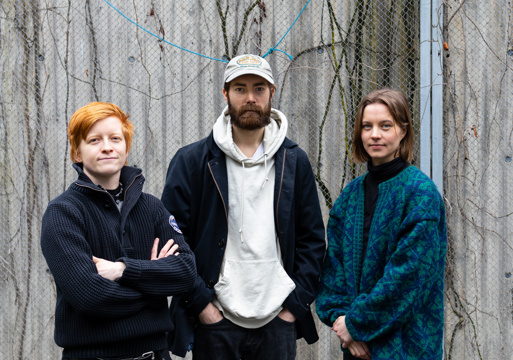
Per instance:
x=253, y=289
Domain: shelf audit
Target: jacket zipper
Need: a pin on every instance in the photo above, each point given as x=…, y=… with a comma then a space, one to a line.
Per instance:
x=88, y=187
x=279, y=195
x=220, y=194
x=128, y=187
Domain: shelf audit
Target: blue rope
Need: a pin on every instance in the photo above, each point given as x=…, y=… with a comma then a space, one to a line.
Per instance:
x=283, y=37
x=270, y=51
x=158, y=37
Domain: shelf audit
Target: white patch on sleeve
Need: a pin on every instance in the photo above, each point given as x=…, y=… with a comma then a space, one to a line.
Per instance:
x=174, y=225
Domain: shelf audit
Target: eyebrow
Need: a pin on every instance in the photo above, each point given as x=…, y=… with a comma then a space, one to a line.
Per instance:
x=90, y=134
x=257, y=84
x=380, y=121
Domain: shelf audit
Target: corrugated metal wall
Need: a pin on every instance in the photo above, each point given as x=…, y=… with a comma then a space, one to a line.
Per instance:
x=58, y=55
x=478, y=177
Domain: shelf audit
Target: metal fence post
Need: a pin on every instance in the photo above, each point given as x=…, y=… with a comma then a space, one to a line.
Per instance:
x=431, y=91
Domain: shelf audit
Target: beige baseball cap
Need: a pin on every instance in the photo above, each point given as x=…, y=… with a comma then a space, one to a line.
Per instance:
x=248, y=64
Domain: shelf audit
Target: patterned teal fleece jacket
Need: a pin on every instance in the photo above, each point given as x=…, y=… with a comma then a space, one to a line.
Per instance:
x=394, y=302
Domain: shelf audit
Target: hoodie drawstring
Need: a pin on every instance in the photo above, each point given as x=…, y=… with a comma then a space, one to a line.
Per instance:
x=265, y=174
x=242, y=203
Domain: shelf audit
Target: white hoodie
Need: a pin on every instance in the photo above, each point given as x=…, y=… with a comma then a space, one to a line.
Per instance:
x=252, y=285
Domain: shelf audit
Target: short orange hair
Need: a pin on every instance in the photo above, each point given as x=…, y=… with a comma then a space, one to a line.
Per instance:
x=86, y=116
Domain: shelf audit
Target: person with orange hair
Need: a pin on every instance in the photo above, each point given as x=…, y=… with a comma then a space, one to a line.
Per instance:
x=104, y=242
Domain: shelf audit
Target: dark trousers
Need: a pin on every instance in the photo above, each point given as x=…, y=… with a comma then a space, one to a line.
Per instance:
x=226, y=341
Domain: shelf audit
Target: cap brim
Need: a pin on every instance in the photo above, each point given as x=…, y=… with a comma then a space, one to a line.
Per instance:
x=247, y=71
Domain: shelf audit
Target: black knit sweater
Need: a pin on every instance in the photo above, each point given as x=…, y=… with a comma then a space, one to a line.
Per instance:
x=97, y=317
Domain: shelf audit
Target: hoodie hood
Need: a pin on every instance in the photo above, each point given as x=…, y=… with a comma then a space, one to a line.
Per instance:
x=274, y=135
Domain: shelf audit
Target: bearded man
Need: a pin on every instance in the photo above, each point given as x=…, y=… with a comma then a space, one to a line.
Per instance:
x=246, y=201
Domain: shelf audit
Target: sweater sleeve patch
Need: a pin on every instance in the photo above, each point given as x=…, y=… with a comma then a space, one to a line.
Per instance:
x=174, y=225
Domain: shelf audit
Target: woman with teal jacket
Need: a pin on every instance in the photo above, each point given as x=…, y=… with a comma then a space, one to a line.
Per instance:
x=382, y=284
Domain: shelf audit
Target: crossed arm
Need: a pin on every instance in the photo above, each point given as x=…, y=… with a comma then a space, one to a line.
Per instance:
x=113, y=270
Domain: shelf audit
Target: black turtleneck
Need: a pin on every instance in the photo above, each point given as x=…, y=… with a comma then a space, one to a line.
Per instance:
x=377, y=175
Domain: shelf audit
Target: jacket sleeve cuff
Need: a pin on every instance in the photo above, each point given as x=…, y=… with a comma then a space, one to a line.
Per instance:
x=297, y=309
x=197, y=299
x=351, y=329
x=132, y=272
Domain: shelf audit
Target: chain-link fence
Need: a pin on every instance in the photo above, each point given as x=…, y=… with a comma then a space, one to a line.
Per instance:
x=478, y=179
x=163, y=61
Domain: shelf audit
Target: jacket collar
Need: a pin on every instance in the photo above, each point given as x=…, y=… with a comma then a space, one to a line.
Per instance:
x=128, y=174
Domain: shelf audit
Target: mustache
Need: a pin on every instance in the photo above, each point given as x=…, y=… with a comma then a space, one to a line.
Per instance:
x=250, y=107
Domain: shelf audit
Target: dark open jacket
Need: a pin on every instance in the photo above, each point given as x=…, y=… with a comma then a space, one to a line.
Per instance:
x=196, y=192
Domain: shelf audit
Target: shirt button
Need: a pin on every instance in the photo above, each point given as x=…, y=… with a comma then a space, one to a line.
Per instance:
x=221, y=243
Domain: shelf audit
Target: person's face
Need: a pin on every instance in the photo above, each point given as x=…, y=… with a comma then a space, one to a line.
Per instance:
x=103, y=152
x=249, y=102
x=381, y=135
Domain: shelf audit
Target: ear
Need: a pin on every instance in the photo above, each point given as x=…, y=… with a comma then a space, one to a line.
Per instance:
x=403, y=133
x=78, y=157
x=225, y=94
x=272, y=92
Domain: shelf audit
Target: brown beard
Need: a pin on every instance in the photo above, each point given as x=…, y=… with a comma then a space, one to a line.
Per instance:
x=250, y=121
